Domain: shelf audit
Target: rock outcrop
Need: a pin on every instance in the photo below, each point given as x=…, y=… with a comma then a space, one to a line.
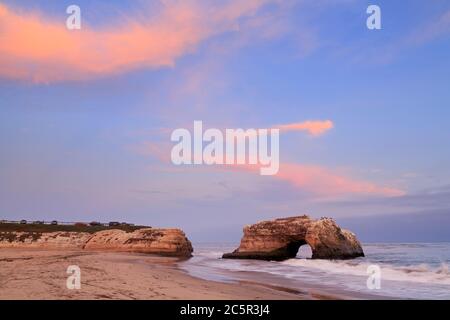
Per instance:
x=165, y=242
x=280, y=239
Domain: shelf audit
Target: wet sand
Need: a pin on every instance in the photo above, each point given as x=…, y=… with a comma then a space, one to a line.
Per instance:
x=39, y=274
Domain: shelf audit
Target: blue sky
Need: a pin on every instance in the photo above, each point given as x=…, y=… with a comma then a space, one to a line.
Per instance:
x=81, y=143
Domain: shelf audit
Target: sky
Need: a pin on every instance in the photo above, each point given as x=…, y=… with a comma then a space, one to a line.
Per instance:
x=86, y=115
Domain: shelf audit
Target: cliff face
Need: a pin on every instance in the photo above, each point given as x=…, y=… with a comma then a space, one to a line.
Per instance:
x=167, y=242
x=280, y=239
x=51, y=240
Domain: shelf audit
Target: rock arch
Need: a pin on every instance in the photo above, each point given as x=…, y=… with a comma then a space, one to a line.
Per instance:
x=281, y=239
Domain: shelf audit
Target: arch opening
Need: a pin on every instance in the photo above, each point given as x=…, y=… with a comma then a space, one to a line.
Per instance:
x=304, y=252
x=299, y=249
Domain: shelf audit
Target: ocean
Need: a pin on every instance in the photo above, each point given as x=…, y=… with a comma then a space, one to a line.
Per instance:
x=407, y=270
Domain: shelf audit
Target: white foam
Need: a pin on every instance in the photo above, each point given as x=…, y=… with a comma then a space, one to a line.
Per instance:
x=418, y=273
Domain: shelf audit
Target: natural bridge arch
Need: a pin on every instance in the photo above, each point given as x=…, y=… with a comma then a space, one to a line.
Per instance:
x=304, y=252
x=281, y=239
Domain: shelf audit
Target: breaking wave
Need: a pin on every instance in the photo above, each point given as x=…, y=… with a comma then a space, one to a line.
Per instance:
x=421, y=273
x=417, y=271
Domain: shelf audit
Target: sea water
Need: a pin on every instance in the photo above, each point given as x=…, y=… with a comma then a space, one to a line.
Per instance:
x=408, y=270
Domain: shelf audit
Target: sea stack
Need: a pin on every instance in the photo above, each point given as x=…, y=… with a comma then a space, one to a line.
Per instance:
x=280, y=239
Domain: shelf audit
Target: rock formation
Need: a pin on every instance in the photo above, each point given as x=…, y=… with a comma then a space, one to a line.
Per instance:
x=43, y=240
x=166, y=242
x=280, y=239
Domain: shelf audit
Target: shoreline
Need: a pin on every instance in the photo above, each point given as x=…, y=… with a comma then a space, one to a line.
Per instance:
x=276, y=282
x=42, y=274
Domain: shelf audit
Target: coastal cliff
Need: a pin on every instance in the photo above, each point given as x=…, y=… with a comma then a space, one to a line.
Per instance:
x=280, y=239
x=43, y=240
x=165, y=242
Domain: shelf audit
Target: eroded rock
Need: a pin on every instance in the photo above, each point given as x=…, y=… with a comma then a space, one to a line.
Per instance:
x=166, y=242
x=280, y=239
x=45, y=240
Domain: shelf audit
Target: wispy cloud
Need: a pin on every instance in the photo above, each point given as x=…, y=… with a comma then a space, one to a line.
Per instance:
x=316, y=180
x=435, y=29
x=325, y=183
x=313, y=127
x=35, y=47
x=427, y=199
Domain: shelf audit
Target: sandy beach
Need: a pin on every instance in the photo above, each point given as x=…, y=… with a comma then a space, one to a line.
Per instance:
x=39, y=274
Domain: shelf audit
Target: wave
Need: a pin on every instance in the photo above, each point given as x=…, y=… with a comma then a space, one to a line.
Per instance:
x=417, y=273
x=421, y=273
x=412, y=271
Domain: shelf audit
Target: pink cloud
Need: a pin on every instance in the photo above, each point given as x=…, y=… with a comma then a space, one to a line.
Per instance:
x=313, y=127
x=317, y=180
x=35, y=47
x=324, y=182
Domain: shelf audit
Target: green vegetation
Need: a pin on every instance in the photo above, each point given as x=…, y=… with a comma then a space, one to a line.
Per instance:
x=12, y=237
x=31, y=227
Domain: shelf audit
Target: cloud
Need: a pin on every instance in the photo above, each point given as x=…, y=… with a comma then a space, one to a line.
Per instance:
x=313, y=127
x=318, y=181
x=438, y=27
x=435, y=28
x=315, y=180
x=427, y=199
x=36, y=48
x=325, y=183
